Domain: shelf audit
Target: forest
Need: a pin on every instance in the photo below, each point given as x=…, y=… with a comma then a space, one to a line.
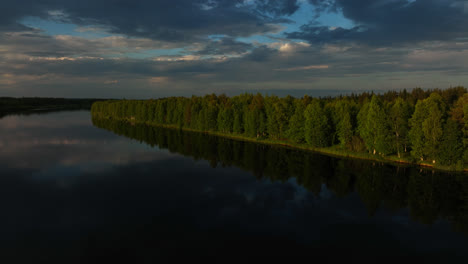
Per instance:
x=428, y=127
x=9, y=105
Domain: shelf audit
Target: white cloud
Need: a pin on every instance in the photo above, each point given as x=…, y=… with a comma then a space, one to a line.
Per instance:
x=159, y=80
x=289, y=47
x=178, y=58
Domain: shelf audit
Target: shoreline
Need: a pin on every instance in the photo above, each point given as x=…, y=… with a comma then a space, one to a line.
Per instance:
x=330, y=151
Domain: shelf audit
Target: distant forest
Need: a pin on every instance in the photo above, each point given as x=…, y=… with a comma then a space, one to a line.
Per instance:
x=420, y=126
x=10, y=105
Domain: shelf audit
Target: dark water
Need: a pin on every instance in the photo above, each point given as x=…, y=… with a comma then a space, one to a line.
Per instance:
x=81, y=193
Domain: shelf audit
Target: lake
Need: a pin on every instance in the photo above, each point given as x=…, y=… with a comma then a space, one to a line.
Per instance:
x=85, y=191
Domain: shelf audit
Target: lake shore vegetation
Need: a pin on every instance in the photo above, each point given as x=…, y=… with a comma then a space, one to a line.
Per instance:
x=424, y=127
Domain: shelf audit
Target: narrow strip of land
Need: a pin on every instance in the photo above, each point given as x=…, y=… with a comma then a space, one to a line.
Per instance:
x=427, y=128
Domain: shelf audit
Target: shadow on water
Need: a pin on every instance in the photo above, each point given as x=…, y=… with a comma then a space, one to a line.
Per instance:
x=78, y=194
x=429, y=195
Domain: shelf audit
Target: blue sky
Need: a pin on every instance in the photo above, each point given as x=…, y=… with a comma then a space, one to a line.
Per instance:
x=148, y=49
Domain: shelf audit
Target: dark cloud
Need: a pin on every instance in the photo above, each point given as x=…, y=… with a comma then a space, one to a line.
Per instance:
x=296, y=67
x=171, y=20
x=36, y=44
x=324, y=6
x=33, y=43
x=278, y=7
x=324, y=34
x=184, y=47
x=261, y=54
x=390, y=22
x=227, y=46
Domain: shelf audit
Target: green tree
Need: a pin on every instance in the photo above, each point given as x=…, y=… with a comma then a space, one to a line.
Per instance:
x=240, y=106
x=432, y=125
x=210, y=117
x=276, y=114
x=451, y=145
x=465, y=133
x=416, y=134
x=225, y=119
x=426, y=127
x=316, y=125
x=400, y=113
x=254, y=117
x=374, y=127
x=296, y=124
x=342, y=113
x=457, y=111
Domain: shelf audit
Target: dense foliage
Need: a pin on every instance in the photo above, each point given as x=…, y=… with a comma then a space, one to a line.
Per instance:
x=428, y=126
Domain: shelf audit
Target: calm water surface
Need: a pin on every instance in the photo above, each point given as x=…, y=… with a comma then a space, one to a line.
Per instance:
x=80, y=191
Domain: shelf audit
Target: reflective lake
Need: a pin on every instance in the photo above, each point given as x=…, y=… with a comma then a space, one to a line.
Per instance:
x=81, y=191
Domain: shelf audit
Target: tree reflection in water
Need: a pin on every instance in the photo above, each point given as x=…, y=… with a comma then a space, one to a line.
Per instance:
x=429, y=195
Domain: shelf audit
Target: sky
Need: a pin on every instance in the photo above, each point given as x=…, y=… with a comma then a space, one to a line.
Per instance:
x=149, y=49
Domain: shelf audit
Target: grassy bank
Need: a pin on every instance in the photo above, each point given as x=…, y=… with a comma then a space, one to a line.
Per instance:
x=335, y=151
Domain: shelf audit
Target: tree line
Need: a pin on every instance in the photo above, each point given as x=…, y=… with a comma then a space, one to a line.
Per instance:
x=11, y=105
x=428, y=126
x=429, y=195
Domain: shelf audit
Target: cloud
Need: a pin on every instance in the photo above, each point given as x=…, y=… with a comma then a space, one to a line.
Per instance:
x=263, y=69
x=111, y=82
x=288, y=47
x=225, y=46
x=181, y=47
x=388, y=22
x=304, y=68
x=178, y=58
x=166, y=20
x=278, y=7
x=159, y=80
x=38, y=45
